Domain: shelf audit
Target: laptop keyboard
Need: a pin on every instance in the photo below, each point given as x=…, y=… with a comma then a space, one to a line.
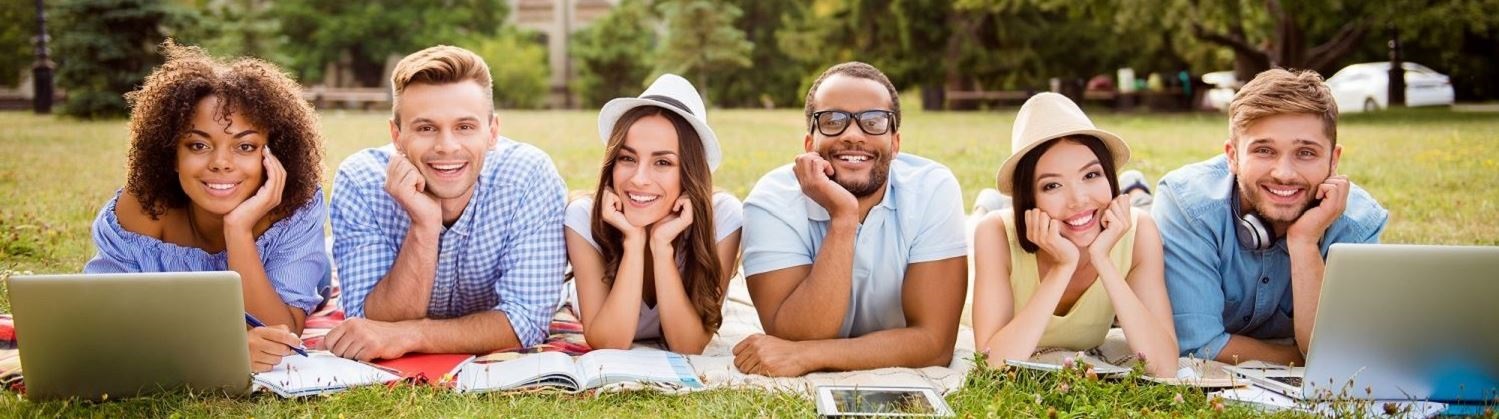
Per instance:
x=1292, y=381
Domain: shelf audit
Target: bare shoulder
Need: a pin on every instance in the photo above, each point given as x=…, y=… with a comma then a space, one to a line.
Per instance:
x=133, y=217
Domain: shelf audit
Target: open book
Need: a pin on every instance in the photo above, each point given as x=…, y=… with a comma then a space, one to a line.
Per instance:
x=1114, y=358
x=593, y=370
x=319, y=373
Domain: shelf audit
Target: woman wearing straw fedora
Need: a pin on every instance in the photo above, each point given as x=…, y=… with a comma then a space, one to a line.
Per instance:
x=653, y=249
x=1073, y=254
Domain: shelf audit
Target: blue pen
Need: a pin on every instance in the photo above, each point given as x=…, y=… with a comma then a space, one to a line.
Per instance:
x=254, y=322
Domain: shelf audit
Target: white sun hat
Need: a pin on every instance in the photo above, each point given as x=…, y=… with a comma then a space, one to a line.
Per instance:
x=673, y=93
x=1049, y=116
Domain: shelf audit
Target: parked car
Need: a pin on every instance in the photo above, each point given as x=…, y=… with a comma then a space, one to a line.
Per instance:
x=1225, y=84
x=1365, y=87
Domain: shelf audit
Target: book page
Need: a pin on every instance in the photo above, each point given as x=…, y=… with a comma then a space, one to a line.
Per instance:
x=320, y=372
x=541, y=369
x=608, y=366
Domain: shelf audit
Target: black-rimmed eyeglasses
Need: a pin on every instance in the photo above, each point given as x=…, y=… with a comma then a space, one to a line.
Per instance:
x=872, y=122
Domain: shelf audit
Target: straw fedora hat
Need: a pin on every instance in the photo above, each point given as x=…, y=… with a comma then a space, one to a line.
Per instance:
x=675, y=94
x=1049, y=116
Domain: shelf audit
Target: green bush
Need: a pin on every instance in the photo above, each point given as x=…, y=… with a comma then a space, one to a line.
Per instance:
x=105, y=48
x=518, y=65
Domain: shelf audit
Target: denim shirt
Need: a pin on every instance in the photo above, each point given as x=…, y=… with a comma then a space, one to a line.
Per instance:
x=1217, y=287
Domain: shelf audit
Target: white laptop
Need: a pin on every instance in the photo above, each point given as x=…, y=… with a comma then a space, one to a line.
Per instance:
x=119, y=335
x=1400, y=322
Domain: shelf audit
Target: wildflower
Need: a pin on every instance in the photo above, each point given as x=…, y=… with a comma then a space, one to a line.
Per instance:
x=1091, y=374
x=1177, y=399
x=1051, y=412
x=1068, y=362
x=1063, y=387
x=1391, y=409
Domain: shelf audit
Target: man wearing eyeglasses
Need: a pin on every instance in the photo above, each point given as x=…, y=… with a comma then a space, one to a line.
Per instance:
x=854, y=254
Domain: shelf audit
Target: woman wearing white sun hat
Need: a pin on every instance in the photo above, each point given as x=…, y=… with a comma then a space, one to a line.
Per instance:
x=1073, y=255
x=654, y=247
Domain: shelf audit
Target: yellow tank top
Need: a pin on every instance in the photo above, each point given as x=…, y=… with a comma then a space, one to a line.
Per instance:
x=1088, y=322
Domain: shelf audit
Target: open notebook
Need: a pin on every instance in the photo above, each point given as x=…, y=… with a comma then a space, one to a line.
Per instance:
x=593, y=370
x=319, y=373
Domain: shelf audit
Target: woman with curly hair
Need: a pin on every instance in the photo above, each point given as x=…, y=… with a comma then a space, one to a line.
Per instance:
x=652, y=251
x=224, y=170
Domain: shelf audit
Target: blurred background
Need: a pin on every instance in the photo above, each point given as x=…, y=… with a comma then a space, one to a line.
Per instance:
x=1137, y=55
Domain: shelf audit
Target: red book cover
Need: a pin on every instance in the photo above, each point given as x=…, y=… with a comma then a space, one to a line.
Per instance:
x=425, y=368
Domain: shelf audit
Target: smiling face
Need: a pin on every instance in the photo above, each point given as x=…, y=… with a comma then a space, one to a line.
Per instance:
x=861, y=162
x=219, y=159
x=1278, y=161
x=445, y=131
x=647, y=171
x=1071, y=187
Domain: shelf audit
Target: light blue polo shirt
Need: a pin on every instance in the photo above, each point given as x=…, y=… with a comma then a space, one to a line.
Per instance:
x=919, y=220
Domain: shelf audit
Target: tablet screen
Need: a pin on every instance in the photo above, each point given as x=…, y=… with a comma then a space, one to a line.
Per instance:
x=882, y=401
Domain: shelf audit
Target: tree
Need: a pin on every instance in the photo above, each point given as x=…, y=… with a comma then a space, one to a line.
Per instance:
x=906, y=39
x=16, y=53
x=775, y=78
x=107, y=49
x=234, y=28
x=701, y=39
x=518, y=67
x=364, y=34
x=615, y=53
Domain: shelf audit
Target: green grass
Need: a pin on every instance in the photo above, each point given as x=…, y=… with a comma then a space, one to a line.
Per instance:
x=1435, y=170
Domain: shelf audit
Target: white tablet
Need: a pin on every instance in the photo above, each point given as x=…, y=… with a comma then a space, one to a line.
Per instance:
x=835, y=401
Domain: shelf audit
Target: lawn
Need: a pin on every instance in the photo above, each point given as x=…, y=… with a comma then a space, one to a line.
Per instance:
x=1434, y=169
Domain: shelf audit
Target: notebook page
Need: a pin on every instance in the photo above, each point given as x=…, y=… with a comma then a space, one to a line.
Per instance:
x=319, y=373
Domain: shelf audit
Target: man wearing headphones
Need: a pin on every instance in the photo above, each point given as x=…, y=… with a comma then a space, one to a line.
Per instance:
x=1246, y=233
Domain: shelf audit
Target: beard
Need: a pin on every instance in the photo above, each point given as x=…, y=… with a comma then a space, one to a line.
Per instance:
x=1272, y=213
x=879, y=172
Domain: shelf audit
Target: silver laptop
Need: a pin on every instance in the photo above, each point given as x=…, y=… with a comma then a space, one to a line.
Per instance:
x=119, y=335
x=1400, y=322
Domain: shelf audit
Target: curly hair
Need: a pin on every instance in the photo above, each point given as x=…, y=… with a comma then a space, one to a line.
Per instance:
x=162, y=111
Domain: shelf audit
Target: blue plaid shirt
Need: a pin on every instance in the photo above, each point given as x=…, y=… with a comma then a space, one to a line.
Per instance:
x=504, y=253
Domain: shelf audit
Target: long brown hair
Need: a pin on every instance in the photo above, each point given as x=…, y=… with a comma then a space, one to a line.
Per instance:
x=702, y=271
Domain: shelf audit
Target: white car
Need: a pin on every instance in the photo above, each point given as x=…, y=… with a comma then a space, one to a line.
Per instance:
x=1365, y=87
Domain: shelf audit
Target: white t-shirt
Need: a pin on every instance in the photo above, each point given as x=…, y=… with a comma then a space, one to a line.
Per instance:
x=728, y=217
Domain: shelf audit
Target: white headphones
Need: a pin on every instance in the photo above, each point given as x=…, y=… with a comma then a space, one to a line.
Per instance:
x=1251, y=231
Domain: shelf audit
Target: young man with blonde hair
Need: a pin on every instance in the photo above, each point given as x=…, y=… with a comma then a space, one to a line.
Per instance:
x=449, y=239
x=1246, y=233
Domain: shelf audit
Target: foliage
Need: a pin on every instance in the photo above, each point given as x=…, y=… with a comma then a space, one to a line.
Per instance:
x=702, y=40
x=107, y=49
x=234, y=28
x=16, y=54
x=365, y=34
x=775, y=77
x=909, y=40
x=615, y=54
x=518, y=66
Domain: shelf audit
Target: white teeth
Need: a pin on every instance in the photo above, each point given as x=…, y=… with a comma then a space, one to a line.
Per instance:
x=1079, y=222
x=221, y=186
x=1287, y=192
x=454, y=166
x=853, y=158
x=644, y=198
